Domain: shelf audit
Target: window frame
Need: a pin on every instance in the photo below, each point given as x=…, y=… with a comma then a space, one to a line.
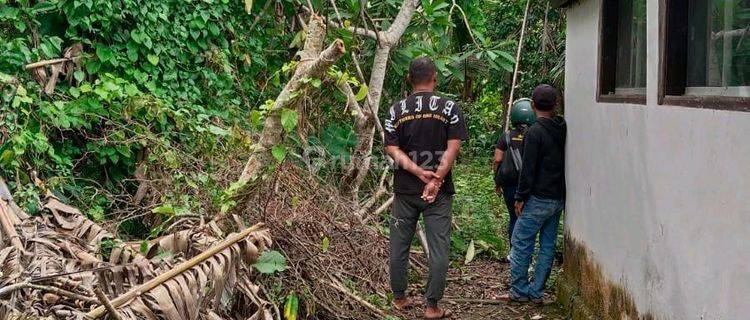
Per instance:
x=607, y=59
x=673, y=45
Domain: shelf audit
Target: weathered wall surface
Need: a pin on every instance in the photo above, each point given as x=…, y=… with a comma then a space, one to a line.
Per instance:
x=659, y=196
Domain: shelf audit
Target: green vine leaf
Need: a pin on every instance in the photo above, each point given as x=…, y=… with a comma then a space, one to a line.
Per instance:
x=363, y=90
x=279, y=153
x=153, y=59
x=470, y=252
x=289, y=119
x=79, y=75
x=270, y=262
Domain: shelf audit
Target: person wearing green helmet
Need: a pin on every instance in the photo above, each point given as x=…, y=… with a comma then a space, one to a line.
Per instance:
x=508, y=154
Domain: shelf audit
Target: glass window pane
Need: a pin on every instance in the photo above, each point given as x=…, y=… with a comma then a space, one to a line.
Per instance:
x=631, y=44
x=719, y=43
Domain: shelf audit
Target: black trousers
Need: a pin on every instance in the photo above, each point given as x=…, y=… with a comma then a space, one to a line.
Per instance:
x=437, y=218
x=509, y=195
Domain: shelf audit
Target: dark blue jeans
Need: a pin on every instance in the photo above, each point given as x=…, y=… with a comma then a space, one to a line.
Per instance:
x=509, y=195
x=540, y=216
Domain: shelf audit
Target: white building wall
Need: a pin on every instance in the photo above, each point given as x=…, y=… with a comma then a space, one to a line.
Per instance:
x=659, y=195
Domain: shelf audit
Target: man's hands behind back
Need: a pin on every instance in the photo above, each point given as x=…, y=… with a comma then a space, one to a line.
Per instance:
x=432, y=189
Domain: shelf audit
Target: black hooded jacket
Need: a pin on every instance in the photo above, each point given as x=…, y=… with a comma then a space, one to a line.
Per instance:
x=543, y=171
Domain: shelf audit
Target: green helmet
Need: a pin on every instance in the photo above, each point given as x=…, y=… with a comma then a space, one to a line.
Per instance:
x=521, y=112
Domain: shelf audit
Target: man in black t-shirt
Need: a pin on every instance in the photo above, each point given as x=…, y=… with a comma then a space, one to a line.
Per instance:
x=423, y=135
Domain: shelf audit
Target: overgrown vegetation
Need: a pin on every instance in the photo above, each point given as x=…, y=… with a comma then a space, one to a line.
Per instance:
x=143, y=113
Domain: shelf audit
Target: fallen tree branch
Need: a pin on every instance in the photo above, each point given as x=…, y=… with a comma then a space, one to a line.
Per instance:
x=177, y=270
x=23, y=285
x=475, y=301
x=44, y=63
x=105, y=302
x=356, y=298
x=8, y=226
x=423, y=240
x=314, y=61
x=381, y=191
x=379, y=210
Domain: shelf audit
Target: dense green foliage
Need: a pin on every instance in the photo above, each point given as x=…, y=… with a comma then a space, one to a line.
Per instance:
x=176, y=90
x=479, y=212
x=165, y=83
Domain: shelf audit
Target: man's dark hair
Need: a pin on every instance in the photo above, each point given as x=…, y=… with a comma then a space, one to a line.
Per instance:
x=545, y=97
x=421, y=70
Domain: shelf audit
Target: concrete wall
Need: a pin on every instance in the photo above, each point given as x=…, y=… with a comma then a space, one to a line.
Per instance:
x=658, y=195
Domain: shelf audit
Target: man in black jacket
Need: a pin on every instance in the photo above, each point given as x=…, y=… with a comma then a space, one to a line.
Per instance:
x=540, y=198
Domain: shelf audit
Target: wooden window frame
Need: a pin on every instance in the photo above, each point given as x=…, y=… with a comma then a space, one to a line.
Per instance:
x=673, y=46
x=607, y=57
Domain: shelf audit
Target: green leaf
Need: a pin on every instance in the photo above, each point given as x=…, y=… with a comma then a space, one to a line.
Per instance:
x=85, y=88
x=165, y=209
x=43, y=6
x=470, y=252
x=316, y=83
x=289, y=119
x=93, y=66
x=154, y=59
x=362, y=92
x=270, y=262
x=279, y=153
x=79, y=75
x=291, y=307
x=75, y=92
x=218, y=130
x=104, y=53
x=144, y=247
x=7, y=157
x=326, y=243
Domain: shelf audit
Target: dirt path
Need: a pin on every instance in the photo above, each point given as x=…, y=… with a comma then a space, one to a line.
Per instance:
x=471, y=286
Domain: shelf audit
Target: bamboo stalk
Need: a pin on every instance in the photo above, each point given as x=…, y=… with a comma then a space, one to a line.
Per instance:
x=177, y=270
x=518, y=64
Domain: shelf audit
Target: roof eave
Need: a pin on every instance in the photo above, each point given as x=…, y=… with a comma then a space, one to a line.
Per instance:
x=561, y=3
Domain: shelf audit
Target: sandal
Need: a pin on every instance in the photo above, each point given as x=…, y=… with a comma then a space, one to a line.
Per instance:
x=402, y=304
x=445, y=314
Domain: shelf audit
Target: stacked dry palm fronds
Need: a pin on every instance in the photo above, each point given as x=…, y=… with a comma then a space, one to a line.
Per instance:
x=336, y=263
x=51, y=266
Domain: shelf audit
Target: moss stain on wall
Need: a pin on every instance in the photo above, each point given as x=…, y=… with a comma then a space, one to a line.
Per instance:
x=585, y=293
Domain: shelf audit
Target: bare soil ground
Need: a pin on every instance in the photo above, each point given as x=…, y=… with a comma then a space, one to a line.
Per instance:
x=472, y=293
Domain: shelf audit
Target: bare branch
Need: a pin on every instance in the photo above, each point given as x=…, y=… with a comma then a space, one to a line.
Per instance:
x=466, y=21
x=351, y=100
x=45, y=63
x=107, y=305
x=359, y=31
x=401, y=22
x=730, y=33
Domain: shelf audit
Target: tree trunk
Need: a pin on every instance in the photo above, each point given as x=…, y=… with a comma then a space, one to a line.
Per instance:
x=314, y=61
x=362, y=156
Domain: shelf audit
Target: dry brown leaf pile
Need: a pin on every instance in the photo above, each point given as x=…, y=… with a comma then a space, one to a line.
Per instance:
x=333, y=258
x=60, y=262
